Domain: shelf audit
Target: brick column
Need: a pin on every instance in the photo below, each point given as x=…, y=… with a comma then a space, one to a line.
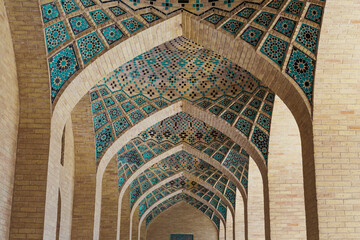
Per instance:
x=286, y=188
x=337, y=121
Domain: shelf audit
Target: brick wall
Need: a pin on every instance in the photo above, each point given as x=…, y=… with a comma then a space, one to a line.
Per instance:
x=85, y=171
x=286, y=189
x=182, y=218
x=27, y=217
x=9, y=112
x=337, y=121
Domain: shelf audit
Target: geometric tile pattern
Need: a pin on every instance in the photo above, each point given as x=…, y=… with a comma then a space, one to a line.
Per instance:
x=314, y=13
x=62, y=66
x=55, y=35
x=246, y=13
x=132, y=25
x=112, y=33
x=89, y=46
x=179, y=162
x=87, y=3
x=252, y=35
x=301, y=68
x=99, y=16
x=170, y=71
x=117, y=11
x=181, y=237
x=275, y=49
x=276, y=4
x=308, y=37
x=264, y=19
x=69, y=6
x=185, y=198
x=79, y=24
x=294, y=7
x=214, y=19
x=232, y=26
x=49, y=12
x=150, y=17
x=285, y=26
x=181, y=183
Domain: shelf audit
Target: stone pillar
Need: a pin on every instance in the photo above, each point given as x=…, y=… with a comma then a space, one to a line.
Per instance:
x=229, y=226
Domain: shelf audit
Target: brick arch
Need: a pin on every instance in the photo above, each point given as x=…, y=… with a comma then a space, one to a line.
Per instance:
x=191, y=150
x=269, y=76
x=189, y=177
x=282, y=85
x=174, y=194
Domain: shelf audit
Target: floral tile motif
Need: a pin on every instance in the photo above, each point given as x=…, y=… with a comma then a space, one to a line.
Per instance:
x=69, y=6
x=264, y=19
x=49, y=12
x=132, y=25
x=214, y=19
x=301, y=68
x=252, y=35
x=232, y=26
x=150, y=17
x=99, y=16
x=275, y=49
x=112, y=33
x=117, y=11
x=62, y=66
x=314, y=13
x=285, y=26
x=246, y=13
x=79, y=24
x=55, y=34
x=89, y=46
x=308, y=37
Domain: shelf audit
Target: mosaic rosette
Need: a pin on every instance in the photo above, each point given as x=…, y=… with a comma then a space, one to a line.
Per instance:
x=89, y=46
x=314, y=13
x=246, y=13
x=232, y=26
x=301, y=68
x=99, y=16
x=55, y=34
x=150, y=17
x=117, y=11
x=112, y=33
x=62, y=66
x=69, y=6
x=214, y=18
x=264, y=19
x=79, y=24
x=49, y=12
x=275, y=49
x=285, y=26
x=308, y=37
x=294, y=7
x=252, y=35
x=132, y=25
